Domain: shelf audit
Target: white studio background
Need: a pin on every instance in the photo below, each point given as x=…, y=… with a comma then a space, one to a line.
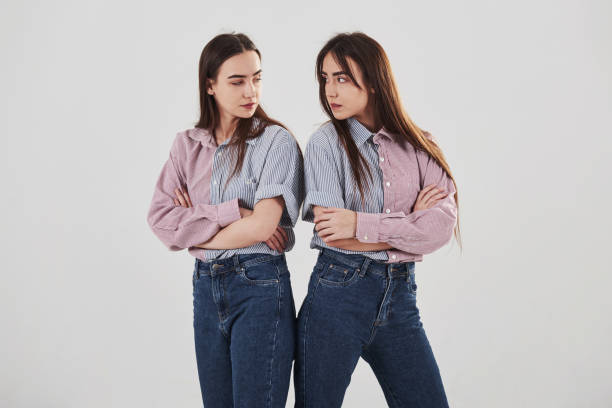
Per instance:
x=95, y=312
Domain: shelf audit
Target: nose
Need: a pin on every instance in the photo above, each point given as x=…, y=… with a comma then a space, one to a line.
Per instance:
x=331, y=90
x=249, y=91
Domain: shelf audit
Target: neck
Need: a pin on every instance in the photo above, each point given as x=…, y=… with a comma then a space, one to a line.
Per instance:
x=366, y=118
x=225, y=128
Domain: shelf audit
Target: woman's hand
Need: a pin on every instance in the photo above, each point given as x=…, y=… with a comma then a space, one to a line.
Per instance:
x=428, y=197
x=335, y=223
x=277, y=241
x=182, y=198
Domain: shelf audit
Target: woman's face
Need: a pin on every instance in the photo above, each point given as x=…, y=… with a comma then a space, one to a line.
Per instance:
x=238, y=85
x=344, y=97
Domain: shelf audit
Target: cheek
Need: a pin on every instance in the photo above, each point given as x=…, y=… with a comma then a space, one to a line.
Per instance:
x=221, y=95
x=359, y=100
x=353, y=100
x=234, y=95
x=228, y=99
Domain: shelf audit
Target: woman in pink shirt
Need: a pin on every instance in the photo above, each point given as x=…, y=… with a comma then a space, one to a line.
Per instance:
x=381, y=196
x=230, y=193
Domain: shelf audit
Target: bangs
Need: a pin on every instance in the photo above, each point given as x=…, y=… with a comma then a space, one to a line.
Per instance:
x=340, y=57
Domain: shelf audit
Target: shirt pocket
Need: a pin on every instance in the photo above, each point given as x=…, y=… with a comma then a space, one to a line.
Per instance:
x=243, y=188
x=248, y=188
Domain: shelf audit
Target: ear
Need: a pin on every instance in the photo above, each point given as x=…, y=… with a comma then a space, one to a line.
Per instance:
x=209, y=89
x=372, y=90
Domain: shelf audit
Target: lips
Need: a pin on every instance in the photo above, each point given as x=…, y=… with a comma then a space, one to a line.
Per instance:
x=335, y=106
x=248, y=105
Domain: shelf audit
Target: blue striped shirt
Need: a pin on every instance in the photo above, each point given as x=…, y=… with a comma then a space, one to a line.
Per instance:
x=272, y=167
x=330, y=182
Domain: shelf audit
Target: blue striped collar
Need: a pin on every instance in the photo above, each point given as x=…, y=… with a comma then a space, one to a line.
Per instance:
x=361, y=134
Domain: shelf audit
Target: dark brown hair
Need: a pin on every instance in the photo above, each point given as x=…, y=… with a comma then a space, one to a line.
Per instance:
x=214, y=54
x=372, y=60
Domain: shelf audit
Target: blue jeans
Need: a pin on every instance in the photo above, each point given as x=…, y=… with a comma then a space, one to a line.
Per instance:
x=244, y=329
x=358, y=307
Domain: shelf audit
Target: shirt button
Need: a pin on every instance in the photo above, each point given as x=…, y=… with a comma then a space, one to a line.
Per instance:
x=365, y=237
x=388, y=183
x=387, y=211
x=382, y=159
x=215, y=182
x=393, y=257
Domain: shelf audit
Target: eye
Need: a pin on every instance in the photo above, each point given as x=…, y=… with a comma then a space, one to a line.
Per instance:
x=342, y=80
x=237, y=83
x=258, y=79
x=324, y=78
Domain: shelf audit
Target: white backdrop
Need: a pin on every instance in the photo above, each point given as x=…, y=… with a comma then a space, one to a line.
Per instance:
x=95, y=312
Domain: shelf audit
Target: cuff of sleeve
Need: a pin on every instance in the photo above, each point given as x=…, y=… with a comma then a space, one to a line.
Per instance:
x=228, y=212
x=321, y=199
x=367, y=227
x=385, y=230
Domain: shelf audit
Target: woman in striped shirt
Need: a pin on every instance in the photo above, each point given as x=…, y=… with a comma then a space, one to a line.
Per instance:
x=381, y=195
x=230, y=192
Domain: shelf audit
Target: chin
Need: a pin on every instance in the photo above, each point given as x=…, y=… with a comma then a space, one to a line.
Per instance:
x=246, y=114
x=340, y=115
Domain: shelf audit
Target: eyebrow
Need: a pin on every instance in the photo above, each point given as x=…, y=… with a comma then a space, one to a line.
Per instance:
x=242, y=76
x=336, y=73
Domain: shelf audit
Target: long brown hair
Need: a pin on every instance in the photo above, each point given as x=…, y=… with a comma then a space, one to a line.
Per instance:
x=214, y=54
x=371, y=58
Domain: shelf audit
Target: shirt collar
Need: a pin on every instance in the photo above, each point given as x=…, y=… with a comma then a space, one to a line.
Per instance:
x=206, y=138
x=361, y=134
x=384, y=132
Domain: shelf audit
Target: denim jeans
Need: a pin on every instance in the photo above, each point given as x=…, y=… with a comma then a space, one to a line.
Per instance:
x=244, y=329
x=359, y=307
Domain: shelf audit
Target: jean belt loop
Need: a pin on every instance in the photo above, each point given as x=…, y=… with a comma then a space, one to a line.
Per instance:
x=236, y=262
x=364, y=266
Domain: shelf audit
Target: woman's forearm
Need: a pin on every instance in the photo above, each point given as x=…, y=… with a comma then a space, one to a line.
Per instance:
x=352, y=244
x=239, y=234
x=251, y=229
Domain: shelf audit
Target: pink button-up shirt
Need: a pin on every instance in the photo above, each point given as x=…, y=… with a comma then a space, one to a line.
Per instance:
x=400, y=172
x=189, y=166
x=406, y=172
x=272, y=167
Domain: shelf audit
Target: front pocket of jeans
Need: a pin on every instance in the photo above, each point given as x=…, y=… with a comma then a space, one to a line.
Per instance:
x=335, y=274
x=259, y=274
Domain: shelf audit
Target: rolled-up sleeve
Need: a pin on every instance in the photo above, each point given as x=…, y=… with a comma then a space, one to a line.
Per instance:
x=179, y=227
x=283, y=175
x=323, y=182
x=420, y=232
